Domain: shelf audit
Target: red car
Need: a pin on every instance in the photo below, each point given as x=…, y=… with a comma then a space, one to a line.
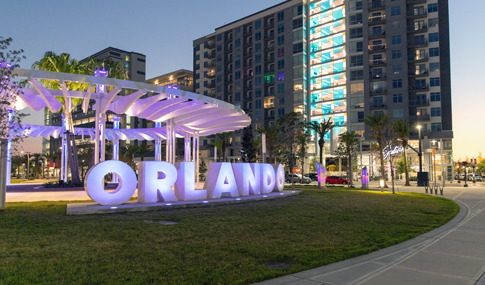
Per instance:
x=335, y=180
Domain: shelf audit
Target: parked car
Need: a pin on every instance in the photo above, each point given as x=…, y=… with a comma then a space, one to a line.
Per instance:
x=297, y=178
x=336, y=180
x=477, y=177
x=312, y=176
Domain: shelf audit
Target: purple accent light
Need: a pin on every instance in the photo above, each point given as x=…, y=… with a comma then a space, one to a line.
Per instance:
x=101, y=73
x=321, y=173
x=365, y=177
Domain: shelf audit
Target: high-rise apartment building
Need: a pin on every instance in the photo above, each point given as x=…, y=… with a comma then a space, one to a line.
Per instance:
x=342, y=60
x=182, y=79
x=135, y=66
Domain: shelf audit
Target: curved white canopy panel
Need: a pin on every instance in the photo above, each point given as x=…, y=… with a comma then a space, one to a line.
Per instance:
x=191, y=112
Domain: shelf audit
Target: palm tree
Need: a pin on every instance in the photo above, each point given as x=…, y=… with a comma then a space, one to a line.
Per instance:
x=129, y=151
x=218, y=145
x=349, y=142
x=303, y=138
x=142, y=150
x=272, y=132
x=37, y=166
x=321, y=129
x=224, y=137
x=401, y=128
x=48, y=156
x=378, y=124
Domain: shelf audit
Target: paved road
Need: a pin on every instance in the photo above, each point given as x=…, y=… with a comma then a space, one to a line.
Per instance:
x=453, y=254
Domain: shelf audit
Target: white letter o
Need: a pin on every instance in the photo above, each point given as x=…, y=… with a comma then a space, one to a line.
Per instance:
x=94, y=184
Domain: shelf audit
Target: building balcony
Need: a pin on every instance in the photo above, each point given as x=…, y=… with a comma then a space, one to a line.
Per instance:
x=417, y=14
x=269, y=46
x=228, y=70
x=211, y=64
x=248, y=32
x=418, y=103
x=228, y=80
x=420, y=73
x=227, y=92
x=248, y=86
x=377, y=62
x=269, y=35
x=376, y=5
x=269, y=58
x=377, y=48
x=228, y=49
x=374, y=35
x=269, y=93
x=414, y=2
x=418, y=58
x=268, y=105
x=228, y=38
x=211, y=85
x=269, y=117
x=269, y=69
x=378, y=91
x=211, y=74
x=418, y=88
x=269, y=24
x=419, y=118
x=378, y=106
x=418, y=29
x=248, y=98
x=377, y=20
x=248, y=42
x=269, y=82
x=377, y=77
x=211, y=44
x=211, y=54
x=418, y=43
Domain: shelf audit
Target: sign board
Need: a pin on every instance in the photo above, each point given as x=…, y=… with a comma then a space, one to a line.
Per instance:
x=321, y=173
x=160, y=181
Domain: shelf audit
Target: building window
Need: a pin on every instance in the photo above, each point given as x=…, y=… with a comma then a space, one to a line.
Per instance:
x=434, y=66
x=436, y=127
x=396, y=54
x=237, y=96
x=432, y=23
x=237, y=75
x=356, y=47
x=281, y=16
x=397, y=98
x=281, y=40
x=219, y=88
x=432, y=7
x=297, y=47
x=396, y=69
x=206, y=64
x=258, y=104
x=281, y=88
x=197, y=85
x=434, y=82
x=397, y=83
x=257, y=69
x=219, y=47
x=238, y=42
x=197, y=57
x=281, y=76
x=257, y=36
x=219, y=68
x=357, y=60
x=297, y=23
x=257, y=58
x=219, y=58
x=281, y=112
x=281, y=63
x=397, y=113
x=140, y=72
x=219, y=78
x=197, y=76
x=434, y=52
x=396, y=40
x=257, y=24
x=205, y=83
x=356, y=33
x=356, y=75
x=396, y=10
x=433, y=37
x=197, y=48
x=436, y=112
x=281, y=28
x=356, y=19
x=258, y=92
x=435, y=96
x=298, y=10
x=281, y=51
x=237, y=63
x=257, y=47
x=257, y=81
x=219, y=37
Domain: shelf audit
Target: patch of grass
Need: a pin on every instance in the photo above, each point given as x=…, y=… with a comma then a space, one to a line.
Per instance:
x=212, y=245
x=16, y=181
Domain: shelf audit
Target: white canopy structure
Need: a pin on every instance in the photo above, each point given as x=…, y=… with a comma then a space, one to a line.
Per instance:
x=184, y=114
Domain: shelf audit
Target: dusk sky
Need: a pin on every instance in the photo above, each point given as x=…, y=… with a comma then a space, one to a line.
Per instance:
x=164, y=31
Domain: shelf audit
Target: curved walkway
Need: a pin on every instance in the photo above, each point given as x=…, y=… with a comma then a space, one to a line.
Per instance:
x=453, y=254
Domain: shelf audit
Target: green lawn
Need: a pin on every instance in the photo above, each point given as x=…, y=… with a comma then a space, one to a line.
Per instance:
x=212, y=245
x=16, y=181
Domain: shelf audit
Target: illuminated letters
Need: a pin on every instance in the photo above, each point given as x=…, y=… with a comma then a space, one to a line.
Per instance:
x=279, y=177
x=155, y=180
x=221, y=182
x=94, y=183
x=185, y=184
x=247, y=178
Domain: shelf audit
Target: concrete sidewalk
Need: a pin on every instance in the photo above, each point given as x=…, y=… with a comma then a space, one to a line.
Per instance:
x=453, y=254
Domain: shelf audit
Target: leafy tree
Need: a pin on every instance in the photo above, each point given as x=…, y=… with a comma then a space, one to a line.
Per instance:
x=248, y=150
x=379, y=129
x=401, y=165
x=202, y=170
x=218, y=145
x=290, y=125
x=272, y=142
x=332, y=167
x=224, y=137
x=302, y=138
x=10, y=86
x=321, y=129
x=313, y=165
x=348, y=148
x=128, y=153
x=401, y=128
x=37, y=165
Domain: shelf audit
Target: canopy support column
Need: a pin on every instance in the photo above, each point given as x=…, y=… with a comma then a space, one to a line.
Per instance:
x=196, y=155
x=116, y=145
x=187, y=147
x=9, y=148
x=173, y=141
x=168, y=144
x=63, y=172
x=158, y=144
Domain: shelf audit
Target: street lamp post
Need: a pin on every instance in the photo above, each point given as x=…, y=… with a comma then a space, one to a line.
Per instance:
x=28, y=164
x=473, y=166
x=420, y=154
x=465, y=163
